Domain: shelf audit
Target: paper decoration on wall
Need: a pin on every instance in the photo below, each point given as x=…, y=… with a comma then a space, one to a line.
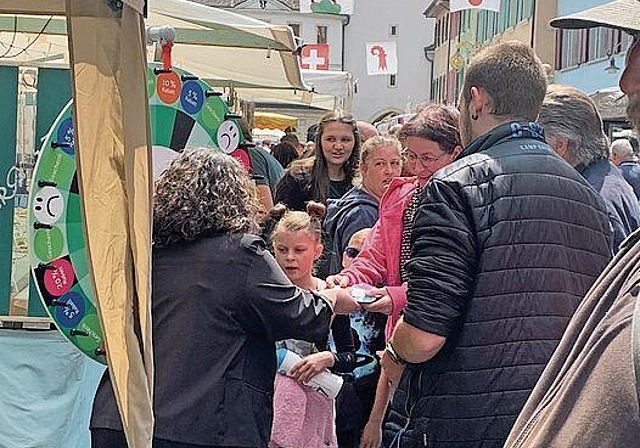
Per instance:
x=382, y=58
x=327, y=6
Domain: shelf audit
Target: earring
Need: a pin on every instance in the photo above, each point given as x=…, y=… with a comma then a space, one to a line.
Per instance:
x=474, y=116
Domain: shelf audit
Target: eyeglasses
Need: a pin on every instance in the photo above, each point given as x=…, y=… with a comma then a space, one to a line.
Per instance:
x=424, y=159
x=351, y=252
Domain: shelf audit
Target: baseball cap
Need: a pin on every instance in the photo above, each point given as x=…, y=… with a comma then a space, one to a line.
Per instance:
x=619, y=14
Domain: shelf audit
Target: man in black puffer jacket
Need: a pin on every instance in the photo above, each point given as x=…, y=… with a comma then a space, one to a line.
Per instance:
x=506, y=241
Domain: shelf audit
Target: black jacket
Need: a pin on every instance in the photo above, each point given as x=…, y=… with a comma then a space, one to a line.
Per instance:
x=354, y=211
x=294, y=189
x=219, y=304
x=505, y=243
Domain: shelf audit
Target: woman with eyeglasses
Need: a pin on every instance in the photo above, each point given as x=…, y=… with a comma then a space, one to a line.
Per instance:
x=432, y=141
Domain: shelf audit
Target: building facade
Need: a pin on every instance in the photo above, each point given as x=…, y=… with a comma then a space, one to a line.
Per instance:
x=592, y=60
x=460, y=35
x=309, y=28
x=586, y=58
x=383, y=21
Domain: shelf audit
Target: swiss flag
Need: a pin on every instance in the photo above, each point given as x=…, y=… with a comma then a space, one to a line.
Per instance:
x=491, y=5
x=315, y=57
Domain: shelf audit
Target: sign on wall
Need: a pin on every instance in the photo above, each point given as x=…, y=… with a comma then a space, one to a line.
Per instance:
x=327, y=6
x=382, y=58
x=458, y=5
x=315, y=57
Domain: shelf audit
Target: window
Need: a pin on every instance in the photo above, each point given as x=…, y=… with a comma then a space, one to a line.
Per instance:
x=393, y=81
x=527, y=9
x=295, y=27
x=321, y=34
x=481, y=26
x=465, y=21
x=455, y=24
x=598, y=43
x=445, y=28
x=572, y=49
x=514, y=12
x=393, y=30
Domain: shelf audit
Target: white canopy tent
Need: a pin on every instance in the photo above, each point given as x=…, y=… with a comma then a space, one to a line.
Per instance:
x=329, y=90
x=211, y=43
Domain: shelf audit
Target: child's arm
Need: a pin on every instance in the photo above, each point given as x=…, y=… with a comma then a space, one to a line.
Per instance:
x=343, y=361
x=369, y=266
x=372, y=432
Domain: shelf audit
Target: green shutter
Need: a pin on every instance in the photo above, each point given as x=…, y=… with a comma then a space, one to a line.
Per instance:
x=8, y=127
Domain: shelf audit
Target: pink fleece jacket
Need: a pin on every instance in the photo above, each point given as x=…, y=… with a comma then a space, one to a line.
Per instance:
x=379, y=260
x=302, y=418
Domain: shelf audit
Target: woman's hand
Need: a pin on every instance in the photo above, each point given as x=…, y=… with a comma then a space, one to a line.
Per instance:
x=383, y=305
x=337, y=280
x=371, y=434
x=311, y=365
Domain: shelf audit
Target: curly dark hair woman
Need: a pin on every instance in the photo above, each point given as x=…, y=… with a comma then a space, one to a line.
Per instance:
x=203, y=192
x=219, y=303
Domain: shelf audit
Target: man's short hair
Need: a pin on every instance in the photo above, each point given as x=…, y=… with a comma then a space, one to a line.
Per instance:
x=512, y=76
x=568, y=113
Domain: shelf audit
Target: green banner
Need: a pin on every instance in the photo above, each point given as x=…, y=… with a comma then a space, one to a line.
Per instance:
x=8, y=178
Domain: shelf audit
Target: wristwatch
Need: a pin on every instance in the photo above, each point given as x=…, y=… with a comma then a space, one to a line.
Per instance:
x=395, y=357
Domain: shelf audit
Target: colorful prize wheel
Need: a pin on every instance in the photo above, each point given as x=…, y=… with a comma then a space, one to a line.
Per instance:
x=184, y=112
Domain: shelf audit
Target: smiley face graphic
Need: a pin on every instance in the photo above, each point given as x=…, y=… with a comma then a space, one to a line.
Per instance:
x=228, y=136
x=48, y=205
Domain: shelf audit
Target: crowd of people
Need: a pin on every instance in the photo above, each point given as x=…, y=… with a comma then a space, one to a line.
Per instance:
x=471, y=278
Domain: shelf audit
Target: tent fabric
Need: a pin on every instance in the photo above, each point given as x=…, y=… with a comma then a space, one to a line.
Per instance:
x=112, y=144
x=47, y=391
x=210, y=43
x=47, y=7
x=270, y=64
x=331, y=90
x=44, y=7
x=271, y=120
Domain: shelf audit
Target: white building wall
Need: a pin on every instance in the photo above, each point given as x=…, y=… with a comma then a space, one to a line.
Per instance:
x=308, y=28
x=371, y=22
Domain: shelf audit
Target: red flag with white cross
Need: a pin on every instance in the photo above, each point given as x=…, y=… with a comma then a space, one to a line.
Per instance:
x=315, y=57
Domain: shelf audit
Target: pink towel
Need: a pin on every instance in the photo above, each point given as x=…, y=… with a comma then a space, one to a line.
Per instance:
x=302, y=418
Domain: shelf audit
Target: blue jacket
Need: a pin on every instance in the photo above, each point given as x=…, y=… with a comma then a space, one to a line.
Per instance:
x=622, y=204
x=631, y=173
x=354, y=211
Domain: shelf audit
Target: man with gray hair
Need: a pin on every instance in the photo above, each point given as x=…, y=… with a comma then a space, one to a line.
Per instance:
x=623, y=156
x=573, y=128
